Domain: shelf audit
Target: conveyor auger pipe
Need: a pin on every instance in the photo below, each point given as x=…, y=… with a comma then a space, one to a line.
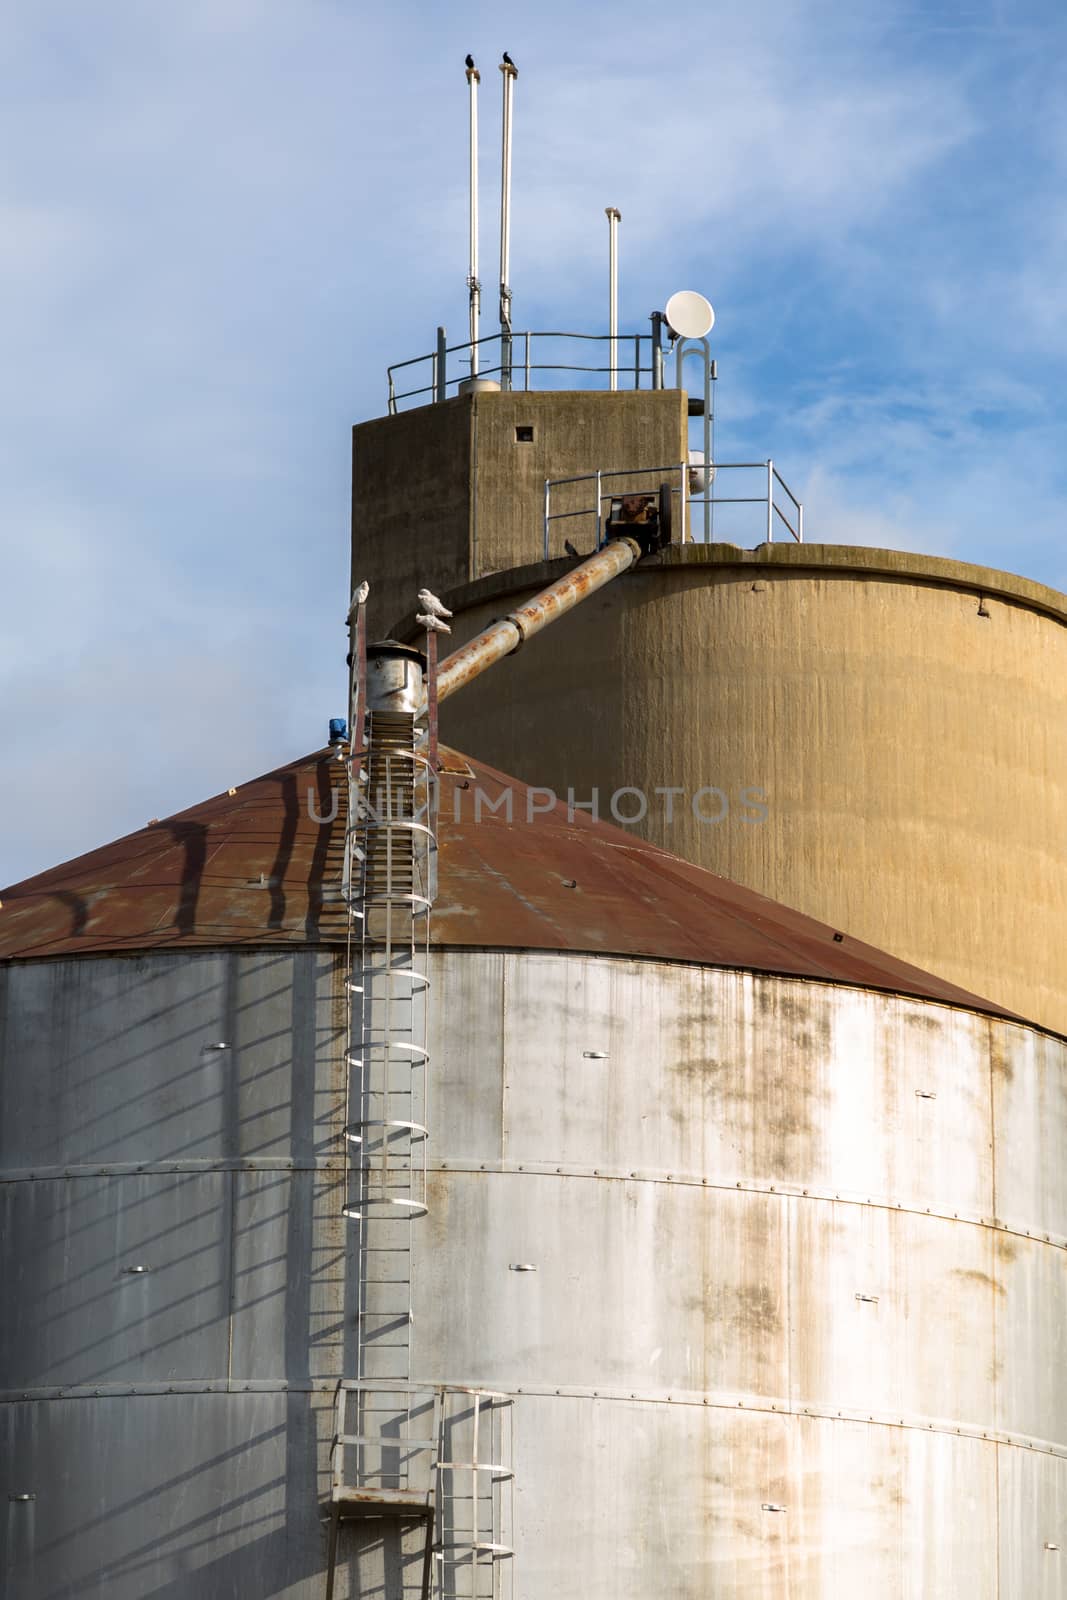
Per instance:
x=501, y=638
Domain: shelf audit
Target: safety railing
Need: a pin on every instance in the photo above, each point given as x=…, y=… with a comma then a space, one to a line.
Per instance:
x=386, y=1441
x=474, y=1510
x=442, y=1452
x=518, y=360
x=691, y=489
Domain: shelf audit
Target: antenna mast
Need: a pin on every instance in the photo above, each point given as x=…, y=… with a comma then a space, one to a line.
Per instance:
x=474, y=79
x=614, y=216
x=510, y=72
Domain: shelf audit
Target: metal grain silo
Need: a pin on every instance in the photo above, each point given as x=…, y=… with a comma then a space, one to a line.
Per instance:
x=755, y=1234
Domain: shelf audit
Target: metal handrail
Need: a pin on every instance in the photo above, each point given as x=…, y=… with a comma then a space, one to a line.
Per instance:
x=681, y=470
x=440, y=382
x=427, y=1456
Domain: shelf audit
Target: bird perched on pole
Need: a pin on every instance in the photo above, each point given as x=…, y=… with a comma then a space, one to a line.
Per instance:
x=359, y=597
x=470, y=63
x=429, y=602
x=508, y=61
x=431, y=623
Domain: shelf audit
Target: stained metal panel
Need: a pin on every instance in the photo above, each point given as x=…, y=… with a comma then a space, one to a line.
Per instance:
x=1028, y=1091
x=107, y=1061
x=868, y=1286
x=588, y=1315
x=865, y=1510
x=1033, y=1525
x=760, y=1080
x=290, y=1242
x=467, y=1012
x=168, y=1497
x=74, y=1310
x=1031, y=1327
x=811, y=1304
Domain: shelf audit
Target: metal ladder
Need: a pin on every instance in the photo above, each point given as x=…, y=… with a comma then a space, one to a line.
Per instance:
x=388, y=888
x=424, y=1469
x=392, y=849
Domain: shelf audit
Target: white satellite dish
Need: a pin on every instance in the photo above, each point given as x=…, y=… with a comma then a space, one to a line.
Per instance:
x=689, y=315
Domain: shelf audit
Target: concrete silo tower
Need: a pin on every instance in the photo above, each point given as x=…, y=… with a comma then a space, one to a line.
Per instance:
x=903, y=717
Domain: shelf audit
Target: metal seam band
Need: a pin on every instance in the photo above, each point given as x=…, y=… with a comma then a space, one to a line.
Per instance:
x=166, y=1168
x=787, y=1191
x=708, y=1401
x=536, y=1169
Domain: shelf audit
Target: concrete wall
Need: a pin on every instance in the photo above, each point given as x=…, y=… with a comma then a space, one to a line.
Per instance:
x=904, y=720
x=796, y=1246
x=447, y=493
x=411, y=493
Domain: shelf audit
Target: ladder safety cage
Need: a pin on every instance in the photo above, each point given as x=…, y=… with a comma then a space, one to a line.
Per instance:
x=389, y=884
x=391, y=872
x=474, y=1508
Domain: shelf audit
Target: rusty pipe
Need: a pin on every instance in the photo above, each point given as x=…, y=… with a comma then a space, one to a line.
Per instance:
x=501, y=638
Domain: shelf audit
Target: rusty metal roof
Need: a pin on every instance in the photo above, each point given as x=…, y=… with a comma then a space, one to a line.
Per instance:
x=255, y=867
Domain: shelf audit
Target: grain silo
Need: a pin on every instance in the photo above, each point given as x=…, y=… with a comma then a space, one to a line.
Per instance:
x=414, y=1184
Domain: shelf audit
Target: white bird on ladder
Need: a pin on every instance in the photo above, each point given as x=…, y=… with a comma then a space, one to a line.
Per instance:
x=359, y=597
x=429, y=602
x=432, y=624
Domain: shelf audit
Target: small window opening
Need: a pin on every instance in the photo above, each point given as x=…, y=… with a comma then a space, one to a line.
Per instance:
x=524, y=433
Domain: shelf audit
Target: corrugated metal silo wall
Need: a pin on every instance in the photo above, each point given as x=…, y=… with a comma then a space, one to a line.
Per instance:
x=796, y=1327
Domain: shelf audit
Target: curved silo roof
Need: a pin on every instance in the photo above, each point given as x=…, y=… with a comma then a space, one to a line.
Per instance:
x=257, y=867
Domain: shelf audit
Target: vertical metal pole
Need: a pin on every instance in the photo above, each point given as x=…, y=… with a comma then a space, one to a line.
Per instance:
x=440, y=376
x=770, y=502
x=431, y=701
x=474, y=1498
x=473, y=284
x=683, y=500
x=614, y=216
x=510, y=74
x=598, y=504
x=710, y=490
x=800, y=524
x=657, y=349
x=708, y=409
x=548, y=507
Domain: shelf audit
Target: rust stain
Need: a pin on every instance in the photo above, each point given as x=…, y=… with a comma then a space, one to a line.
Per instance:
x=1000, y=1058
x=983, y=1278
x=262, y=867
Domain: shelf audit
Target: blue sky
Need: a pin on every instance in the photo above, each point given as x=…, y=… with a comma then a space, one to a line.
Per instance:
x=220, y=221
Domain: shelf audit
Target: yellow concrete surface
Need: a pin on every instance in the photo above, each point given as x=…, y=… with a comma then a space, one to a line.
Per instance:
x=901, y=720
